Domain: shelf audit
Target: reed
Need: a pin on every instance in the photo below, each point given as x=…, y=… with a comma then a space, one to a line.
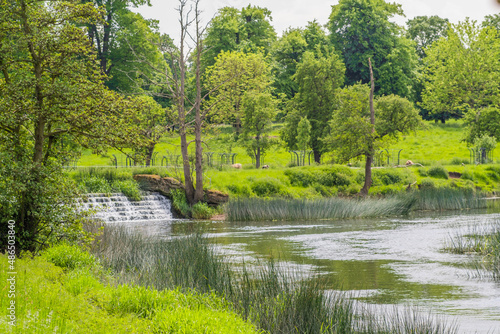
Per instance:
x=482, y=243
x=276, y=300
x=448, y=199
x=254, y=209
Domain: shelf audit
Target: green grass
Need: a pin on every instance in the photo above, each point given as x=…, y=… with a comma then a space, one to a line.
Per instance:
x=275, y=299
x=79, y=296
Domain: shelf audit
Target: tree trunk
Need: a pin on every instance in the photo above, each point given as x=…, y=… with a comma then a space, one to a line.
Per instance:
x=371, y=151
x=257, y=154
x=149, y=155
x=317, y=156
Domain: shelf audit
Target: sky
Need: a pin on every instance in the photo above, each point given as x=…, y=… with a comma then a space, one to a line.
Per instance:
x=296, y=13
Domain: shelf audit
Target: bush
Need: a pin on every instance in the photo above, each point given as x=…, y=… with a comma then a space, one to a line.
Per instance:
x=180, y=204
x=201, y=211
x=427, y=183
x=438, y=172
x=129, y=188
x=467, y=175
x=389, y=176
x=240, y=190
x=268, y=186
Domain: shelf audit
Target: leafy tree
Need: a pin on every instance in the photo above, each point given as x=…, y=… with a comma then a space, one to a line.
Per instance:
x=318, y=79
x=492, y=21
x=259, y=108
x=462, y=71
x=152, y=121
x=51, y=94
x=482, y=122
x=303, y=136
x=355, y=131
x=248, y=30
x=121, y=38
x=287, y=53
x=233, y=74
x=425, y=30
x=361, y=29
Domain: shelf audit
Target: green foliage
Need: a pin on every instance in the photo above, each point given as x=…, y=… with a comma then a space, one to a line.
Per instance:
x=425, y=30
x=467, y=175
x=248, y=30
x=318, y=76
x=427, y=183
x=180, y=204
x=268, y=186
x=258, y=111
x=482, y=122
x=69, y=257
x=461, y=71
x=240, y=190
x=438, y=172
x=362, y=29
x=390, y=176
x=201, y=211
x=333, y=176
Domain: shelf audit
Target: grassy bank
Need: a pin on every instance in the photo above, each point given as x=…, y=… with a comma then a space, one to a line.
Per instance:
x=272, y=298
x=66, y=290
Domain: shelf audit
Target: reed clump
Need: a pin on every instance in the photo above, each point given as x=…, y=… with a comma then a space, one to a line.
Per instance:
x=257, y=209
x=482, y=243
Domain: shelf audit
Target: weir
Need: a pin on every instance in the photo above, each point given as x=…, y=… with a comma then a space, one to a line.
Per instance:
x=117, y=208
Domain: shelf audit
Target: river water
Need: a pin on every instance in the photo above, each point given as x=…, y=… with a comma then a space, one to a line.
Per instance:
x=382, y=262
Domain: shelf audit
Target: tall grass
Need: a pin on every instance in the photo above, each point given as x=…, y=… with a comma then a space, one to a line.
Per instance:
x=256, y=209
x=448, y=199
x=483, y=244
x=274, y=299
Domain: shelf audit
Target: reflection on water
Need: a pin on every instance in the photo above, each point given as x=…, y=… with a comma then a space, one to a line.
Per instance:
x=383, y=261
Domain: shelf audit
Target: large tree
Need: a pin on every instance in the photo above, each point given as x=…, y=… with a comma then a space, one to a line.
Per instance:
x=362, y=29
x=462, y=71
x=51, y=94
x=247, y=30
x=233, y=74
x=122, y=37
x=425, y=30
x=360, y=125
x=318, y=78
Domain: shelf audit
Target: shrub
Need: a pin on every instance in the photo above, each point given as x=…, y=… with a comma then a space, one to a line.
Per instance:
x=180, y=204
x=427, y=183
x=129, y=188
x=268, y=186
x=300, y=177
x=467, y=175
x=240, y=190
x=201, y=211
x=438, y=172
x=422, y=172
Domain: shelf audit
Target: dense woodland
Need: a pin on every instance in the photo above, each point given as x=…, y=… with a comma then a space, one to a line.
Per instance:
x=95, y=74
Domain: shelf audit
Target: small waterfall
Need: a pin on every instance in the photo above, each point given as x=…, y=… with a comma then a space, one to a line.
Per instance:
x=117, y=208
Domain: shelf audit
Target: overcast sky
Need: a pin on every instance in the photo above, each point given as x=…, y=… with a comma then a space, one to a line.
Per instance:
x=296, y=13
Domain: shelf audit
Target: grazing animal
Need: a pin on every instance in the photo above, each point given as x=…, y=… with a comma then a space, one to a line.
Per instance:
x=409, y=163
x=265, y=167
x=237, y=166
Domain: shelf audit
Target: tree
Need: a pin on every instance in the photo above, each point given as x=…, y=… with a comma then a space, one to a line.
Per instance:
x=248, y=30
x=462, y=71
x=303, y=136
x=152, y=122
x=117, y=32
x=482, y=122
x=318, y=79
x=425, y=30
x=233, y=74
x=51, y=93
x=259, y=108
x=492, y=21
x=287, y=53
x=355, y=130
x=361, y=29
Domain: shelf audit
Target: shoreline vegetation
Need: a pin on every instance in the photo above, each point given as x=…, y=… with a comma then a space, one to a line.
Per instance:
x=127, y=282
